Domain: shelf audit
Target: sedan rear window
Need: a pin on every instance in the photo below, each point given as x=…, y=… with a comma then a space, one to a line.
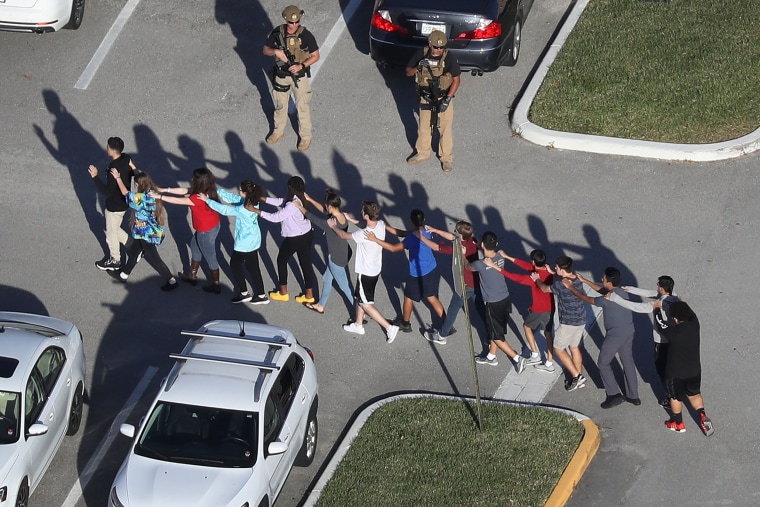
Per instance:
x=7, y=366
x=200, y=436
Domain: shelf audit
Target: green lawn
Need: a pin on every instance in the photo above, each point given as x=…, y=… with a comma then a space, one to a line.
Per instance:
x=429, y=452
x=683, y=71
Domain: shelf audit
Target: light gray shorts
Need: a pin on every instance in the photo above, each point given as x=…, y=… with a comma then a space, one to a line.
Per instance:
x=568, y=336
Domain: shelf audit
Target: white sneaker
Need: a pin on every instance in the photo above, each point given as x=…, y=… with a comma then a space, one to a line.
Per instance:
x=354, y=328
x=544, y=367
x=392, y=331
x=520, y=365
x=533, y=360
x=434, y=336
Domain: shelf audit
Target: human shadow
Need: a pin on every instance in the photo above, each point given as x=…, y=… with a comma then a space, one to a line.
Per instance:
x=250, y=24
x=143, y=329
x=14, y=299
x=406, y=100
x=75, y=148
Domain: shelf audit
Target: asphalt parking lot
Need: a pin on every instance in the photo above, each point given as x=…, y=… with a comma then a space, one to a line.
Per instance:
x=185, y=85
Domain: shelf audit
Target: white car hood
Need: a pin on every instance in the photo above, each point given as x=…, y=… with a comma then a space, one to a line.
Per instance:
x=155, y=483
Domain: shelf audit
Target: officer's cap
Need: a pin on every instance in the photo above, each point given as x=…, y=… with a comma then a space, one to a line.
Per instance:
x=437, y=38
x=292, y=13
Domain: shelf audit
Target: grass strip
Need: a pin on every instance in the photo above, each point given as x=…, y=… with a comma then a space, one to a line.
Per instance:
x=682, y=71
x=429, y=452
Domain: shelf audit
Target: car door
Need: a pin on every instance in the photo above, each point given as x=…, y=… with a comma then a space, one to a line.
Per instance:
x=38, y=408
x=55, y=372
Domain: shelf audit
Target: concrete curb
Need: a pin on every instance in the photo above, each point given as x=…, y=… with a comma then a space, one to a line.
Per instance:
x=559, y=497
x=577, y=466
x=529, y=131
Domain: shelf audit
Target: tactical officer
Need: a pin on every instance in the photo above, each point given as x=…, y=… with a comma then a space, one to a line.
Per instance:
x=437, y=74
x=295, y=50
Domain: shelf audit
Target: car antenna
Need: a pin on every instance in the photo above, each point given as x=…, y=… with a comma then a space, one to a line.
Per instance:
x=242, y=328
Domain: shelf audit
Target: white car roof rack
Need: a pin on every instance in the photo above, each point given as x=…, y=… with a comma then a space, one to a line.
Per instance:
x=275, y=341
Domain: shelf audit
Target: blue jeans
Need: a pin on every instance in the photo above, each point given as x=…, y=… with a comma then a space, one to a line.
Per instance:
x=455, y=305
x=340, y=275
x=203, y=245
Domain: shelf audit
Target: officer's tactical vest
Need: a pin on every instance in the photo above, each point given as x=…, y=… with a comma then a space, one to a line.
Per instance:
x=292, y=43
x=436, y=70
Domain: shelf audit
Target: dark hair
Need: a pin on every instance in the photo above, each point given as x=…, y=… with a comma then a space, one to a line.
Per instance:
x=144, y=183
x=565, y=262
x=666, y=283
x=489, y=240
x=371, y=209
x=538, y=257
x=296, y=188
x=681, y=311
x=464, y=229
x=417, y=217
x=203, y=182
x=116, y=144
x=332, y=199
x=253, y=193
x=613, y=276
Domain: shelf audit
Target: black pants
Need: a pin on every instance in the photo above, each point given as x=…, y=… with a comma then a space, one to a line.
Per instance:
x=251, y=261
x=301, y=246
x=151, y=255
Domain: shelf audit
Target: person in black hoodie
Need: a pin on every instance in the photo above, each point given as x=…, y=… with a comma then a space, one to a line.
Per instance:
x=116, y=206
x=683, y=369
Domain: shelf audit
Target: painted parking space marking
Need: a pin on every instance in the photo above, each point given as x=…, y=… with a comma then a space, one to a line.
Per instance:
x=92, y=465
x=105, y=46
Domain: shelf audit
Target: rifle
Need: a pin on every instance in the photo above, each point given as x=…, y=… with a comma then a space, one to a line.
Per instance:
x=291, y=61
x=434, y=100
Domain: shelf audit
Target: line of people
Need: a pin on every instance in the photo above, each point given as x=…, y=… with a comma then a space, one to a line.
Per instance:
x=485, y=278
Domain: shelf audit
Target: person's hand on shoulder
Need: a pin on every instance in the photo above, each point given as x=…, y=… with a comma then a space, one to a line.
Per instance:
x=92, y=170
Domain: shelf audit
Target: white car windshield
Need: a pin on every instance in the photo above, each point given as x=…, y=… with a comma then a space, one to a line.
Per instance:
x=200, y=436
x=10, y=406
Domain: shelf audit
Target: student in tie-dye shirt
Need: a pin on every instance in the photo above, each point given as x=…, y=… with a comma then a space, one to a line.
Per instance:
x=147, y=231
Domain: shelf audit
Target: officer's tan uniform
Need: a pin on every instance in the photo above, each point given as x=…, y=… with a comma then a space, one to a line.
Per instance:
x=445, y=119
x=302, y=47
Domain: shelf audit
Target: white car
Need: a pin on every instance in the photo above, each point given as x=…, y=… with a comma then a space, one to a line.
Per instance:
x=40, y=16
x=235, y=413
x=42, y=372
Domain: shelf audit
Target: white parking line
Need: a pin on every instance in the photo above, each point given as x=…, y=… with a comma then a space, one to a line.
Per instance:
x=335, y=33
x=84, y=478
x=105, y=46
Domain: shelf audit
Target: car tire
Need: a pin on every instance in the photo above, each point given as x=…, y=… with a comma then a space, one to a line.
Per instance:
x=514, y=44
x=75, y=413
x=22, y=498
x=309, y=447
x=264, y=502
x=77, y=14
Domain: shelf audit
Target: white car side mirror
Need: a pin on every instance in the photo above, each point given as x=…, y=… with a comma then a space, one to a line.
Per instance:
x=38, y=429
x=127, y=430
x=277, y=448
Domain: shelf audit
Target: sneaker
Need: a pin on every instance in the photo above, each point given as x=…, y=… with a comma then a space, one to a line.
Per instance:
x=485, y=360
x=453, y=330
x=675, y=426
x=275, y=295
x=169, y=286
x=108, y=265
x=544, y=367
x=391, y=332
x=706, y=425
x=242, y=298
x=303, y=299
x=578, y=382
x=118, y=276
x=355, y=328
x=633, y=401
x=533, y=360
x=260, y=300
x=613, y=401
x=435, y=337
x=403, y=325
x=520, y=365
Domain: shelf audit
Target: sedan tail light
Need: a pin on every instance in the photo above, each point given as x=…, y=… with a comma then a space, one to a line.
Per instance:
x=486, y=29
x=382, y=21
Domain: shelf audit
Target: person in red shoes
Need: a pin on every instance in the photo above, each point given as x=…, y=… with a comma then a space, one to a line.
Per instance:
x=684, y=369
